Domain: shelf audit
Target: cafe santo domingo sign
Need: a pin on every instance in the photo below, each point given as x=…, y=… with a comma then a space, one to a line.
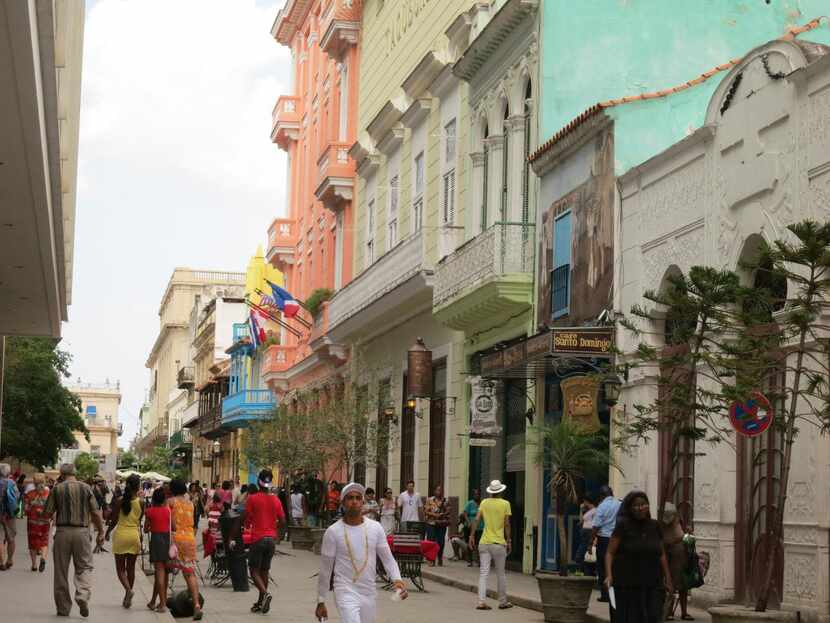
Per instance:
x=530, y=358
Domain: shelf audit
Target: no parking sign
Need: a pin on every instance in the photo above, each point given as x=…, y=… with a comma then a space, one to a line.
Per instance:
x=753, y=416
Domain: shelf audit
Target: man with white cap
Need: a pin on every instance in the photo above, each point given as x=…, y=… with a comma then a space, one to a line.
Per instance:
x=494, y=544
x=350, y=548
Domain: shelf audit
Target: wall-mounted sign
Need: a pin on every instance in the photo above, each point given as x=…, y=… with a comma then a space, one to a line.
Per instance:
x=751, y=417
x=483, y=441
x=579, y=402
x=484, y=407
x=493, y=362
x=589, y=341
x=419, y=371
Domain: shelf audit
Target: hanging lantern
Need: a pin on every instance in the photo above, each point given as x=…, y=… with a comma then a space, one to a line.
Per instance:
x=419, y=371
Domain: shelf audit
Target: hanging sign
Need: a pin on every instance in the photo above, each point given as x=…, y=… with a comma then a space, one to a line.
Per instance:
x=579, y=397
x=590, y=341
x=752, y=417
x=484, y=408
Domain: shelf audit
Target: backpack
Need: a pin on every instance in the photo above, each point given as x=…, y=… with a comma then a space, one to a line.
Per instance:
x=8, y=499
x=694, y=572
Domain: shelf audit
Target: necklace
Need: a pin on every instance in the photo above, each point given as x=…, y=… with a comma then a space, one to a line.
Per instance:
x=357, y=572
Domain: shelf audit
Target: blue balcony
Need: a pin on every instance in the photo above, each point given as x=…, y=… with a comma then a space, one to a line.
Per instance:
x=241, y=339
x=242, y=408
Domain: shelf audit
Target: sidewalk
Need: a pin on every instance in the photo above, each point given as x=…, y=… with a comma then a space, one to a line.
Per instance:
x=522, y=589
x=27, y=595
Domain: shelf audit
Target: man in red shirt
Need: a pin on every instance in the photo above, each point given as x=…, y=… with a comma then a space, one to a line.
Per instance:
x=265, y=516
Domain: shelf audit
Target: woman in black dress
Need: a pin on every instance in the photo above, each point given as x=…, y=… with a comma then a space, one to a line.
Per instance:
x=636, y=565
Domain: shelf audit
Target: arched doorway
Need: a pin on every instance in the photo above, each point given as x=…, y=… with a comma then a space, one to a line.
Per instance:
x=758, y=473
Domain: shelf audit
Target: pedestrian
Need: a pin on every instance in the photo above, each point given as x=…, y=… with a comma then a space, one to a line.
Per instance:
x=350, y=550
x=8, y=507
x=126, y=536
x=181, y=509
x=332, y=501
x=298, y=506
x=198, y=504
x=265, y=515
x=158, y=524
x=226, y=493
x=214, y=513
x=371, y=509
x=438, y=518
x=240, y=499
x=604, y=521
x=586, y=537
x=315, y=492
x=37, y=521
x=636, y=565
x=678, y=558
x=495, y=543
x=461, y=542
x=21, y=490
x=410, y=505
x=471, y=511
x=72, y=505
x=388, y=512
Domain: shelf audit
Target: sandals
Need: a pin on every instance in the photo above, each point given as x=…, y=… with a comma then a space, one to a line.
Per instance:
x=161, y=609
x=197, y=616
x=687, y=617
x=483, y=607
x=42, y=566
x=505, y=605
x=151, y=605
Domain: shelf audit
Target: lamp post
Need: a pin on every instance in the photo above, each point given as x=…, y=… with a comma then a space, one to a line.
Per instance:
x=197, y=460
x=611, y=386
x=216, y=450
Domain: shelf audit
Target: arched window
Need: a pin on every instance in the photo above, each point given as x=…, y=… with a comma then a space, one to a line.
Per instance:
x=505, y=165
x=525, y=160
x=484, y=176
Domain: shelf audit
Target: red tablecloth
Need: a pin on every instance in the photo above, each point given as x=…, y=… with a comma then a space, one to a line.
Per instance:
x=209, y=543
x=429, y=549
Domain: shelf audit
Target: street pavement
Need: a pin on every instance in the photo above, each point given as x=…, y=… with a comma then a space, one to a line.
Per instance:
x=27, y=596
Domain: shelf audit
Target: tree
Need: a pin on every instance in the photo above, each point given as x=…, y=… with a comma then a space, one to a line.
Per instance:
x=158, y=461
x=127, y=460
x=701, y=369
x=571, y=456
x=86, y=466
x=800, y=334
x=40, y=414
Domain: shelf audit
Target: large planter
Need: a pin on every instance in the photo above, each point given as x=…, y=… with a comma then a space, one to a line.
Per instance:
x=317, y=539
x=742, y=614
x=565, y=598
x=300, y=537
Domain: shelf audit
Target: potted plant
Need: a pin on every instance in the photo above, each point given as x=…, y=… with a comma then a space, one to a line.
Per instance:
x=570, y=455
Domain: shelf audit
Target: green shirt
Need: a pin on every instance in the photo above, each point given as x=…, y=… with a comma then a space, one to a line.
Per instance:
x=494, y=511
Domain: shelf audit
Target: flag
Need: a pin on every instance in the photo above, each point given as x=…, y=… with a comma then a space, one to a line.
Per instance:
x=257, y=333
x=285, y=302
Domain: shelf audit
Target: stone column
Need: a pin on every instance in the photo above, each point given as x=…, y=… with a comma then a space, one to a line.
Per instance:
x=476, y=194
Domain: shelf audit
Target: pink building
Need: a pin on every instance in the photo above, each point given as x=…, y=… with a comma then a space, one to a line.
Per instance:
x=316, y=125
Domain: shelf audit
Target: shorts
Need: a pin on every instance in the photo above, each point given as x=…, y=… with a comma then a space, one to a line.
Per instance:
x=261, y=553
x=8, y=529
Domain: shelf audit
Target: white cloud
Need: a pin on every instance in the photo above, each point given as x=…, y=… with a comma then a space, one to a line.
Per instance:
x=176, y=166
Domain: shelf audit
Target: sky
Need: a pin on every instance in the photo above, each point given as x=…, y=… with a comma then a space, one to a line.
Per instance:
x=176, y=168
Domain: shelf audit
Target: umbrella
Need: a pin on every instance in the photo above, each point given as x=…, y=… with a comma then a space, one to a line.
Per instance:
x=155, y=476
x=126, y=473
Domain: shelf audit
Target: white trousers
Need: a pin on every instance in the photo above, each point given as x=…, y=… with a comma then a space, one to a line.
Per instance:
x=498, y=554
x=354, y=607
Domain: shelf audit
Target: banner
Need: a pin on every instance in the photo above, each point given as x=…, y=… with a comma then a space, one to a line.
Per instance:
x=579, y=402
x=485, y=406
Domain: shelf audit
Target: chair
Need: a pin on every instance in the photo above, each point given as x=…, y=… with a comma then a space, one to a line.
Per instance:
x=406, y=548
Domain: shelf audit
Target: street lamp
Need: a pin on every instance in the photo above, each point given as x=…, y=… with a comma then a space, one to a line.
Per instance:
x=216, y=449
x=611, y=386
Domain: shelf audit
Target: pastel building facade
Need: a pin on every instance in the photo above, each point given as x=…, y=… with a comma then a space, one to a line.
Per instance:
x=100, y=403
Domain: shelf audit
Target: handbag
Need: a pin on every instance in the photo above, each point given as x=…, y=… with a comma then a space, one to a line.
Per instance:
x=173, y=550
x=591, y=555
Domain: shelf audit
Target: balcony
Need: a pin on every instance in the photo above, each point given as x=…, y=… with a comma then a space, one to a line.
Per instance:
x=181, y=439
x=490, y=277
x=341, y=28
x=397, y=283
x=210, y=408
x=285, y=121
x=186, y=377
x=282, y=241
x=278, y=359
x=241, y=339
x=249, y=405
x=335, y=176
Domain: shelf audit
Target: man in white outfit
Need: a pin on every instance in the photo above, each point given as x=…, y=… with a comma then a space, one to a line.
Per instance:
x=350, y=548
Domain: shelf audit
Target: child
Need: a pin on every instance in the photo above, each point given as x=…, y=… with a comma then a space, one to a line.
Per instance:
x=158, y=524
x=460, y=547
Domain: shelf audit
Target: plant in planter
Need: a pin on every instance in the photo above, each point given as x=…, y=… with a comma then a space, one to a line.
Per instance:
x=316, y=299
x=570, y=455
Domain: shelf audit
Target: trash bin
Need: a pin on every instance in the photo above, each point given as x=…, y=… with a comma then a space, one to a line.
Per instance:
x=230, y=523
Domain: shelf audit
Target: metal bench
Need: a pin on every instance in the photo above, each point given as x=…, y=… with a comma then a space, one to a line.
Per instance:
x=406, y=548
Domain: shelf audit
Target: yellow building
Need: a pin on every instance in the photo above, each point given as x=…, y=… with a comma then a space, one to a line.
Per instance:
x=99, y=404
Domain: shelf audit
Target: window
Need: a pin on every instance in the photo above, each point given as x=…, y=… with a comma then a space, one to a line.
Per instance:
x=449, y=197
x=370, y=233
x=392, y=221
x=344, y=101
x=449, y=147
x=485, y=173
x=526, y=159
x=338, y=251
x=418, y=200
x=505, y=168
x=561, y=273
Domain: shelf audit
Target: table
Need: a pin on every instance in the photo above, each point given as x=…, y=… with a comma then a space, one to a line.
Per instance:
x=428, y=549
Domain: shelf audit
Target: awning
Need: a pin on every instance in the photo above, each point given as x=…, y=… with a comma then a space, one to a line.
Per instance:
x=557, y=351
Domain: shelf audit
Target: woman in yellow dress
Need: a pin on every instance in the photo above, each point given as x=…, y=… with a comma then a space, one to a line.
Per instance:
x=185, y=540
x=126, y=538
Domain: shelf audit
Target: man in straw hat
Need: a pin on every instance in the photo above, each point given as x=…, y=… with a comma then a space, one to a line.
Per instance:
x=350, y=548
x=494, y=544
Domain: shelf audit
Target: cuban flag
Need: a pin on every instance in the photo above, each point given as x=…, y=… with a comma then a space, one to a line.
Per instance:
x=257, y=332
x=285, y=302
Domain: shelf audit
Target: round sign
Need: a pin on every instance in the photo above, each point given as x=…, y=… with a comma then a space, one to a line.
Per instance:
x=751, y=417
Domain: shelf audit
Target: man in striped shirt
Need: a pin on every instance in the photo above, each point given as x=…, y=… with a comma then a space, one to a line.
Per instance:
x=72, y=505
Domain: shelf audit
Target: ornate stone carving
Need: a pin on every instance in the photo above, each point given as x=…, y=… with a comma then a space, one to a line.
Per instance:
x=799, y=534
x=683, y=251
x=706, y=498
x=679, y=197
x=800, y=501
x=706, y=531
x=800, y=575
